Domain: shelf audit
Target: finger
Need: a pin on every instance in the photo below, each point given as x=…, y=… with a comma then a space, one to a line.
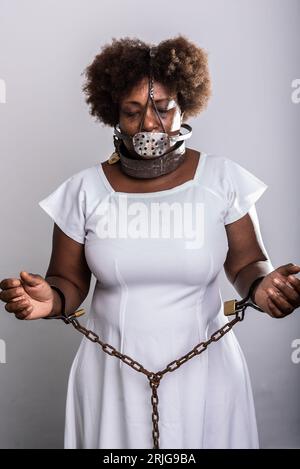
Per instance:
x=282, y=304
x=291, y=279
x=275, y=312
x=295, y=282
x=288, y=269
x=11, y=294
x=17, y=306
x=17, y=298
x=23, y=314
x=9, y=283
x=288, y=291
x=30, y=279
x=20, y=316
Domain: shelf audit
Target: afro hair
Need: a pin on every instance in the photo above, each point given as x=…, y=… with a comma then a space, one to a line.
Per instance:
x=177, y=63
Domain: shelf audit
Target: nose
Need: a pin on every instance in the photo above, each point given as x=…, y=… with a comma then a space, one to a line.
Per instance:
x=151, y=121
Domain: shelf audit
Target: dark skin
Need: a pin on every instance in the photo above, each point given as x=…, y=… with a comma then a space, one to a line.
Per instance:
x=30, y=296
x=131, y=109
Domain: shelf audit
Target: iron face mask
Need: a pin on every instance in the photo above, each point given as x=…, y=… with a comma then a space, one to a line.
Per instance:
x=152, y=153
x=147, y=145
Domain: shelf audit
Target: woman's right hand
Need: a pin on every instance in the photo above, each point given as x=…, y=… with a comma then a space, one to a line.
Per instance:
x=29, y=297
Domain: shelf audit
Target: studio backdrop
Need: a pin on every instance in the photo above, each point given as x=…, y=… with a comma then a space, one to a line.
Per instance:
x=47, y=135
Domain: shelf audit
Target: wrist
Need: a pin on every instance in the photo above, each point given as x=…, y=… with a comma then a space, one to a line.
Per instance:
x=57, y=303
x=58, y=308
x=249, y=274
x=253, y=288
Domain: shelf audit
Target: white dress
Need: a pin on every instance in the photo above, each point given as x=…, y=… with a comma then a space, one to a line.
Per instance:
x=157, y=295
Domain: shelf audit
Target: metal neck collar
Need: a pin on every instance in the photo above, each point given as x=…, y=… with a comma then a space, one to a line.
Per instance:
x=148, y=168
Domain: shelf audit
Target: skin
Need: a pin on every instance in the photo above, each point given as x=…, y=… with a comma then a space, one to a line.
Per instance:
x=30, y=296
x=130, y=113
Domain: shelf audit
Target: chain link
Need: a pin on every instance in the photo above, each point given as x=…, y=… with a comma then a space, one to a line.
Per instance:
x=155, y=378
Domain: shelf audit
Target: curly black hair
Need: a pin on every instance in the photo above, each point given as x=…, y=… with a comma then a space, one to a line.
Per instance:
x=178, y=64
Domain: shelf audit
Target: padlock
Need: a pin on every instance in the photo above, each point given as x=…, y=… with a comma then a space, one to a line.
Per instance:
x=229, y=307
x=114, y=157
x=79, y=312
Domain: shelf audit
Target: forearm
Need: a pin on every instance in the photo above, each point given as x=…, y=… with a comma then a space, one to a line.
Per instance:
x=248, y=274
x=73, y=295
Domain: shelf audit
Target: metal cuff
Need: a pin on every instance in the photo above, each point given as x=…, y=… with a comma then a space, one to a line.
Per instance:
x=235, y=307
x=63, y=315
x=253, y=287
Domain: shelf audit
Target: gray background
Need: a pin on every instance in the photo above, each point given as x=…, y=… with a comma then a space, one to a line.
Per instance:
x=48, y=135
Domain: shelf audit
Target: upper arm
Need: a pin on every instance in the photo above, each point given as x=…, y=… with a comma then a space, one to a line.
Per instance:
x=245, y=244
x=68, y=261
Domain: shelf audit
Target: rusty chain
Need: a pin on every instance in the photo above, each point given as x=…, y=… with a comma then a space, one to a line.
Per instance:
x=155, y=378
x=231, y=307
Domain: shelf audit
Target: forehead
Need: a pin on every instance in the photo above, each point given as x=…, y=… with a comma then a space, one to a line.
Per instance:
x=139, y=92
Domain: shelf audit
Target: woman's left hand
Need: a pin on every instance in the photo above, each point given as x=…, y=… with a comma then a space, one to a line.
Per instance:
x=278, y=294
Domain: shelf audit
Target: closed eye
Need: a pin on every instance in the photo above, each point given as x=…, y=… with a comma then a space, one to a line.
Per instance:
x=130, y=114
x=133, y=114
x=163, y=111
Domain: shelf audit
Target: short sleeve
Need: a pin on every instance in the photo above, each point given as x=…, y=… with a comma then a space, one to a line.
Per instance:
x=243, y=189
x=66, y=206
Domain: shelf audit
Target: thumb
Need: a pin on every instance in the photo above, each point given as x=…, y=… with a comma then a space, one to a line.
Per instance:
x=29, y=279
x=288, y=269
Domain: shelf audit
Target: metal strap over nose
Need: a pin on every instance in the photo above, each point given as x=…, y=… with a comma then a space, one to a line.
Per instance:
x=151, y=154
x=151, y=97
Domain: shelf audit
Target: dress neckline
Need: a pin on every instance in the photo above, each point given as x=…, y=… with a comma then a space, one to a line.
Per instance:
x=186, y=184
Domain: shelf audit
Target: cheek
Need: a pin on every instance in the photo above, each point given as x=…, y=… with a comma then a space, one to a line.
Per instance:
x=128, y=127
x=129, y=130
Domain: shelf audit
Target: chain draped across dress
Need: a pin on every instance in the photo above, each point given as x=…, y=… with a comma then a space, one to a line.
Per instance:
x=156, y=258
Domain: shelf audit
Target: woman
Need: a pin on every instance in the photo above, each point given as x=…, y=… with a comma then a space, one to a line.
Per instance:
x=155, y=224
